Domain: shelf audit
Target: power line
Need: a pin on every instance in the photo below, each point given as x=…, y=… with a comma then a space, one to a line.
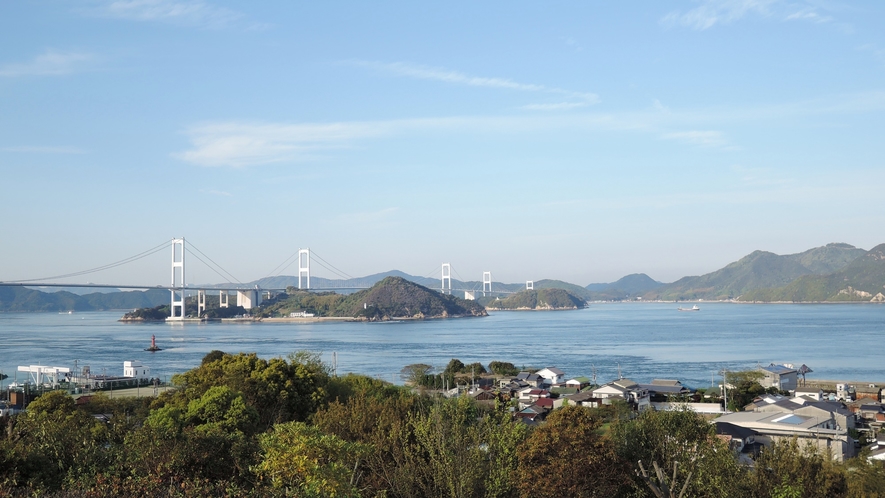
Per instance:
x=130, y=259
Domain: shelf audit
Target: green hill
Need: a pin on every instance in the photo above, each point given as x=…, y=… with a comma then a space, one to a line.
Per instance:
x=758, y=270
x=392, y=297
x=632, y=285
x=551, y=299
x=861, y=280
x=23, y=299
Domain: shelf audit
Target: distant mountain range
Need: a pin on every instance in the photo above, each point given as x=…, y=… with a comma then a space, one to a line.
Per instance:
x=834, y=272
x=814, y=275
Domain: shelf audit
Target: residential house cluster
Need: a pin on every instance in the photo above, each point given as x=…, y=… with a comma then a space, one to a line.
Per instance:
x=808, y=414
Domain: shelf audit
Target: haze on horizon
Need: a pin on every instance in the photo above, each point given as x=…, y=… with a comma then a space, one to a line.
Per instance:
x=572, y=142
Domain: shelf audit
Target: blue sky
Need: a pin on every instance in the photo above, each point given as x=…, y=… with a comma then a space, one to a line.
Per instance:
x=579, y=141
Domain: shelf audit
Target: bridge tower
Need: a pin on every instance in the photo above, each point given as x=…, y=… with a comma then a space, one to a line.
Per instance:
x=223, y=299
x=486, y=282
x=446, y=278
x=304, y=266
x=529, y=285
x=177, y=310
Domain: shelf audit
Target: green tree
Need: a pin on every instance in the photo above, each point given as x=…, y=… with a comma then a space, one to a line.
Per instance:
x=683, y=439
x=301, y=457
x=787, y=468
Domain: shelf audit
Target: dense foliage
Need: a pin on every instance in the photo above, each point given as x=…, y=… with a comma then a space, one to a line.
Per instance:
x=539, y=299
x=239, y=425
x=392, y=297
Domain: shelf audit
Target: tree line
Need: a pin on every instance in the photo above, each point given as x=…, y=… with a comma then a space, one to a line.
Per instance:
x=240, y=425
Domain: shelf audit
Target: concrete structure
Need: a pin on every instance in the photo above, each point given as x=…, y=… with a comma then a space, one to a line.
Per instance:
x=486, y=282
x=783, y=377
x=223, y=299
x=470, y=295
x=135, y=370
x=529, y=285
x=248, y=299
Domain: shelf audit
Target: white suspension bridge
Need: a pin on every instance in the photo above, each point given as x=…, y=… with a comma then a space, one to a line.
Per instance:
x=247, y=296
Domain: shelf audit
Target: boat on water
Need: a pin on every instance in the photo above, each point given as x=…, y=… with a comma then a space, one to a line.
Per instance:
x=693, y=308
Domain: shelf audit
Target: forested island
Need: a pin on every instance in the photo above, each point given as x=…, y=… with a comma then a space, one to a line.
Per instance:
x=393, y=298
x=541, y=299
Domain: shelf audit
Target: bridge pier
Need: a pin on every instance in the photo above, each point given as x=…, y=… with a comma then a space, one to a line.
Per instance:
x=529, y=285
x=248, y=299
x=486, y=281
x=223, y=299
x=201, y=302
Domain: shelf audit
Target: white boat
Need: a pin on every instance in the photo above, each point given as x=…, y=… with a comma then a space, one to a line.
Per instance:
x=693, y=308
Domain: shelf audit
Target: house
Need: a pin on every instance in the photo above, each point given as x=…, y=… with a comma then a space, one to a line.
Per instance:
x=739, y=439
x=819, y=432
x=585, y=398
x=814, y=393
x=665, y=389
x=579, y=382
x=841, y=417
x=625, y=389
x=532, y=413
x=783, y=377
x=551, y=376
x=531, y=379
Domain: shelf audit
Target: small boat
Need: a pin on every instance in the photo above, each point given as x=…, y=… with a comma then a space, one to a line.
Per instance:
x=693, y=308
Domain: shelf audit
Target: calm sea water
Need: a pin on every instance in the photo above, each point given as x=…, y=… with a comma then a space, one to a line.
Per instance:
x=646, y=340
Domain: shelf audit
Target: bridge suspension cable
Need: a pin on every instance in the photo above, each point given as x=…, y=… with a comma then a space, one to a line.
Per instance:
x=319, y=260
x=229, y=275
x=130, y=259
x=279, y=266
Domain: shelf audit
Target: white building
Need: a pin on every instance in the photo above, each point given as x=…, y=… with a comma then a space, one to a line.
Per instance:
x=135, y=370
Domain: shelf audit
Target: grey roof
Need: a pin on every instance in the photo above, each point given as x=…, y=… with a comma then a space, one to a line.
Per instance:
x=665, y=389
x=732, y=430
x=665, y=382
x=778, y=369
x=555, y=370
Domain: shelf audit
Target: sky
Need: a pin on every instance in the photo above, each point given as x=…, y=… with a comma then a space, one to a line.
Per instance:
x=580, y=141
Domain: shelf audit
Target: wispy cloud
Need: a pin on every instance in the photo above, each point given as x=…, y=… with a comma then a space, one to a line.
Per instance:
x=808, y=14
x=221, y=193
x=182, y=12
x=244, y=144
x=712, y=12
x=459, y=78
x=49, y=63
x=706, y=138
x=249, y=144
x=43, y=150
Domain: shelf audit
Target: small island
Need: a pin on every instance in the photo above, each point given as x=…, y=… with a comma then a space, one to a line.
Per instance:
x=393, y=298
x=540, y=299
